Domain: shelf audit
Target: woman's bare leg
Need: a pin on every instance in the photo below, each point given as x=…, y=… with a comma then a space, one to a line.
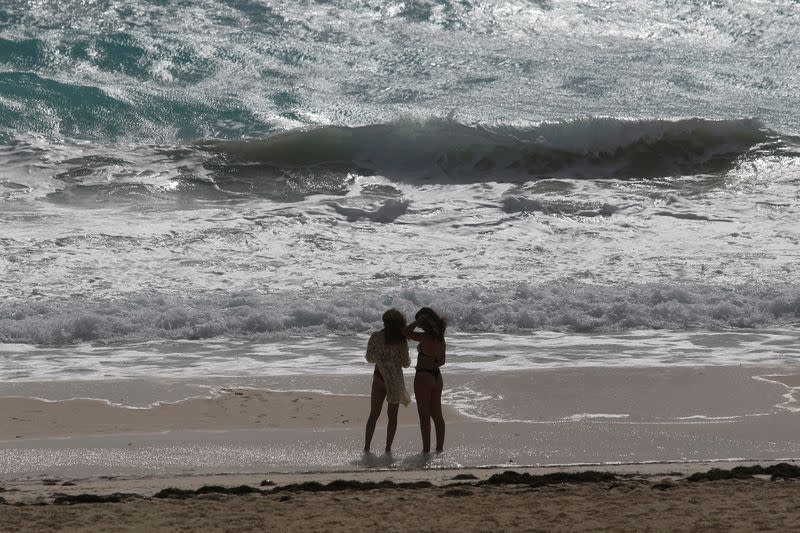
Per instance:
x=436, y=413
x=391, y=428
x=422, y=393
x=376, y=404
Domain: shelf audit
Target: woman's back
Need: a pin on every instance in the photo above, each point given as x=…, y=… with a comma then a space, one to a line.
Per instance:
x=390, y=358
x=430, y=352
x=387, y=353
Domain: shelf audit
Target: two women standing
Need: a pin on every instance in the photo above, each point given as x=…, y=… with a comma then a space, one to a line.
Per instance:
x=388, y=349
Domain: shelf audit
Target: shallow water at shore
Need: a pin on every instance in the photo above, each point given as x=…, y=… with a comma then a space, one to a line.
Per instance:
x=343, y=354
x=478, y=369
x=537, y=417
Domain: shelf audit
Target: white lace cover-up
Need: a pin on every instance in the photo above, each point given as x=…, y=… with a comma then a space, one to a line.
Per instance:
x=390, y=359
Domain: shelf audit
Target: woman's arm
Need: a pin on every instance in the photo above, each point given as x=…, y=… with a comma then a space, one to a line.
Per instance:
x=371, y=349
x=409, y=333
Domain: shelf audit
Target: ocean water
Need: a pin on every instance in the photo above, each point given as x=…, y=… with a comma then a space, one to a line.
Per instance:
x=239, y=187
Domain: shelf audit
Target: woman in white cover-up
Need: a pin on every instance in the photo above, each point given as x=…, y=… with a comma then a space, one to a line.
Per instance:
x=388, y=349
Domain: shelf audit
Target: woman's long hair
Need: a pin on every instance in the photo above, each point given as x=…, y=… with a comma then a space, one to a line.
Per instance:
x=393, y=323
x=431, y=322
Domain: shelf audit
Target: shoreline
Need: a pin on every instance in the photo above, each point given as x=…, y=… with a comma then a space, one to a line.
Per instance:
x=228, y=409
x=594, y=416
x=217, y=454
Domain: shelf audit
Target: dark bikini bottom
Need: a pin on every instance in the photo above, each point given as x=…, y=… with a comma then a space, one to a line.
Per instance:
x=435, y=372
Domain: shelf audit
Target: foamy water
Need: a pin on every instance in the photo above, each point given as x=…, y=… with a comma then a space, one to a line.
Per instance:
x=344, y=355
x=234, y=187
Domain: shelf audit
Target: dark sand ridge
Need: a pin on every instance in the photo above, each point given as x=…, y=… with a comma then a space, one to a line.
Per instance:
x=643, y=497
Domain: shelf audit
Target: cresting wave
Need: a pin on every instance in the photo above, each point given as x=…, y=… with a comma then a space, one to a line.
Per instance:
x=295, y=164
x=513, y=309
x=447, y=151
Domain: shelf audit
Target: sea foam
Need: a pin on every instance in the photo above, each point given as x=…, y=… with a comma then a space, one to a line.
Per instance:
x=573, y=307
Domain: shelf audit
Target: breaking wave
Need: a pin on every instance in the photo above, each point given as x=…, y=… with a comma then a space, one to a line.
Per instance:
x=512, y=309
x=295, y=164
x=447, y=151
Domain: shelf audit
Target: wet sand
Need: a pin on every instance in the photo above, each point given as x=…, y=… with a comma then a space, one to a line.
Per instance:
x=238, y=408
x=645, y=425
x=549, y=417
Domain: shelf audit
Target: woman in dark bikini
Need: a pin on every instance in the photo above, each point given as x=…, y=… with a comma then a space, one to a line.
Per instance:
x=428, y=382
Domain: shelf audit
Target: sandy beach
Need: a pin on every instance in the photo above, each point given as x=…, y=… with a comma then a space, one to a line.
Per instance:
x=93, y=455
x=210, y=208
x=651, y=498
x=534, y=418
x=230, y=409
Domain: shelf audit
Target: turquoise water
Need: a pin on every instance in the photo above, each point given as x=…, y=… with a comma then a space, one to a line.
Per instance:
x=171, y=72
